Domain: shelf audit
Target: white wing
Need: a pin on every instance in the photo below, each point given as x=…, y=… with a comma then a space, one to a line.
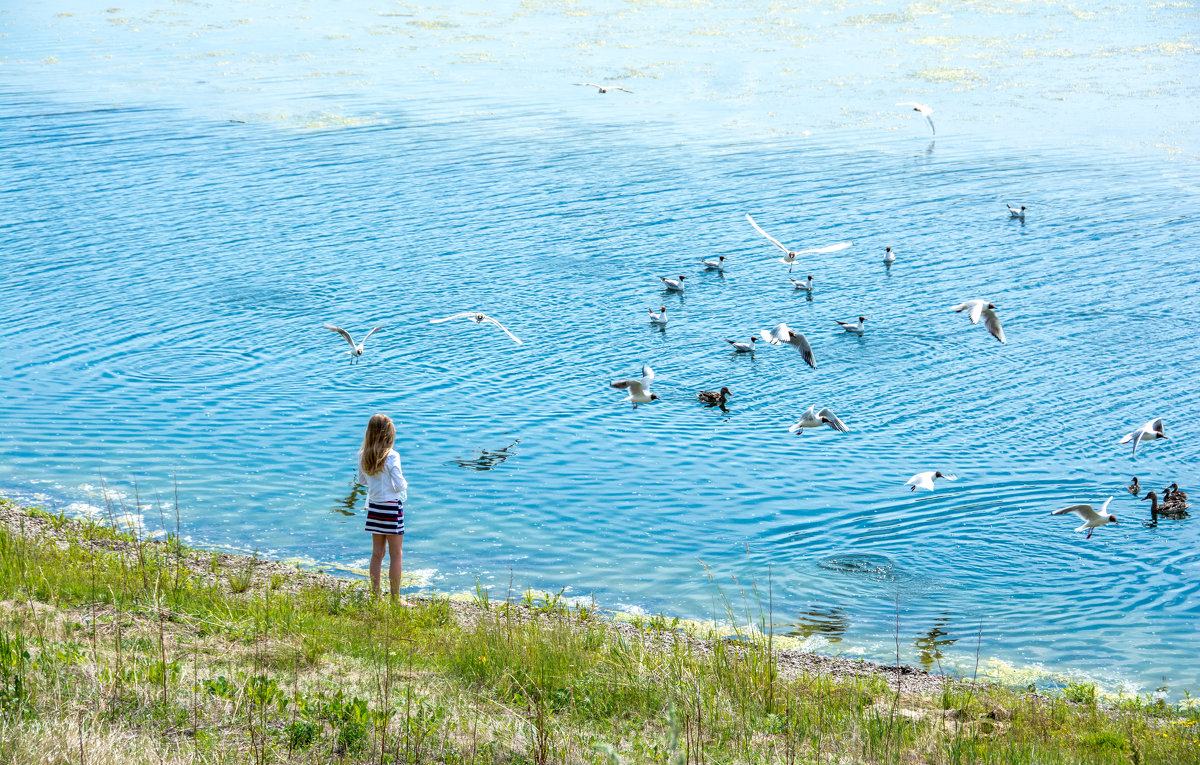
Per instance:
x=1154, y=426
x=992, y=322
x=800, y=343
x=633, y=386
x=913, y=104
x=950, y=476
x=373, y=331
x=834, y=423
x=929, y=119
x=776, y=336
x=647, y=375
x=827, y=248
x=612, y=87
x=976, y=308
x=1086, y=512
x=468, y=314
x=921, y=481
x=502, y=327
x=589, y=84
x=346, y=335
x=758, y=228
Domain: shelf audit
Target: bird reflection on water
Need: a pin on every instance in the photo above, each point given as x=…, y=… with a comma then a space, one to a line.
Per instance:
x=488, y=459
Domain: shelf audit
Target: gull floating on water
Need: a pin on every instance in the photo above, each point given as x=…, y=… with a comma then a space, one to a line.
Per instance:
x=718, y=264
x=478, y=318
x=814, y=419
x=977, y=309
x=924, y=110
x=675, y=285
x=889, y=257
x=1151, y=431
x=925, y=480
x=784, y=334
x=1015, y=213
x=356, y=349
x=857, y=329
x=789, y=256
x=1092, y=520
x=602, y=88
x=658, y=318
x=714, y=397
x=806, y=285
x=639, y=390
x=743, y=347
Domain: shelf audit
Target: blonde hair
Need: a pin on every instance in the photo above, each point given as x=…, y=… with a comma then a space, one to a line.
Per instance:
x=377, y=442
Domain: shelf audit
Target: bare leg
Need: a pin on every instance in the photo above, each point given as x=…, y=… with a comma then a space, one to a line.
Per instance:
x=378, y=547
x=395, y=543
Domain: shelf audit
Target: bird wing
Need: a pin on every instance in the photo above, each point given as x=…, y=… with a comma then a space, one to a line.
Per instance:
x=633, y=386
x=515, y=339
x=923, y=480
x=1086, y=512
x=777, y=335
x=950, y=476
x=992, y=322
x=374, y=329
x=647, y=376
x=758, y=228
x=838, y=247
x=834, y=421
x=470, y=314
x=913, y=104
x=929, y=119
x=611, y=87
x=1156, y=425
x=976, y=308
x=341, y=332
x=800, y=343
x=588, y=84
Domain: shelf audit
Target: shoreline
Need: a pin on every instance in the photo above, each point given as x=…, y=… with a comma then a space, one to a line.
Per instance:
x=147, y=650
x=205, y=564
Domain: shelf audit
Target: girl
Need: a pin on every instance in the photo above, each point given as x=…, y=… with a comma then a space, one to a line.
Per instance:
x=379, y=470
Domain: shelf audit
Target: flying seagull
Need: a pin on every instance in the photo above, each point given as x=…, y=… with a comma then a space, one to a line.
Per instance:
x=639, y=390
x=478, y=318
x=814, y=419
x=784, y=334
x=982, y=309
x=925, y=480
x=924, y=110
x=1151, y=431
x=789, y=256
x=1092, y=520
x=602, y=88
x=356, y=349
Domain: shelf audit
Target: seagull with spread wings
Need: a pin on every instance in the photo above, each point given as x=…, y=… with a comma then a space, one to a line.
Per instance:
x=925, y=480
x=356, y=349
x=814, y=419
x=785, y=334
x=924, y=111
x=639, y=390
x=478, y=318
x=1151, y=431
x=789, y=256
x=602, y=88
x=1092, y=519
x=982, y=309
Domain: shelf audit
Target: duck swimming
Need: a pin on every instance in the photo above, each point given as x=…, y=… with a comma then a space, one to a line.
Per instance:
x=1177, y=493
x=1175, y=510
x=1133, y=487
x=714, y=397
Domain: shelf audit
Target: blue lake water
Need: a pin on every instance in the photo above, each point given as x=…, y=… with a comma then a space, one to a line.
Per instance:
x=191, y=191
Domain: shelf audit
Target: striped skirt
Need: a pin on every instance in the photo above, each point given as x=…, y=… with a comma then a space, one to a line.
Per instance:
x=385, y=517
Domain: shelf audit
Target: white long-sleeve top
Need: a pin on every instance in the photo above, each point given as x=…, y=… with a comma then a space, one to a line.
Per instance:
x=388, y=485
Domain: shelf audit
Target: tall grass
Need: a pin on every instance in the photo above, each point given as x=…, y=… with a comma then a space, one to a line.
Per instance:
x=116, y=649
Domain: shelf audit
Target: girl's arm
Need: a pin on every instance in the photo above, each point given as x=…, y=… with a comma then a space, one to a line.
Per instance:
x=397, y=476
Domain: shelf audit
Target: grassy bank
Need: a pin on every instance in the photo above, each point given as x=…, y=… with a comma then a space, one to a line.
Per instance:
x=114, y=649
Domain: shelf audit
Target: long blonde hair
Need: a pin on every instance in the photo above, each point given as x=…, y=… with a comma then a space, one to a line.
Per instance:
x=377, y=442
